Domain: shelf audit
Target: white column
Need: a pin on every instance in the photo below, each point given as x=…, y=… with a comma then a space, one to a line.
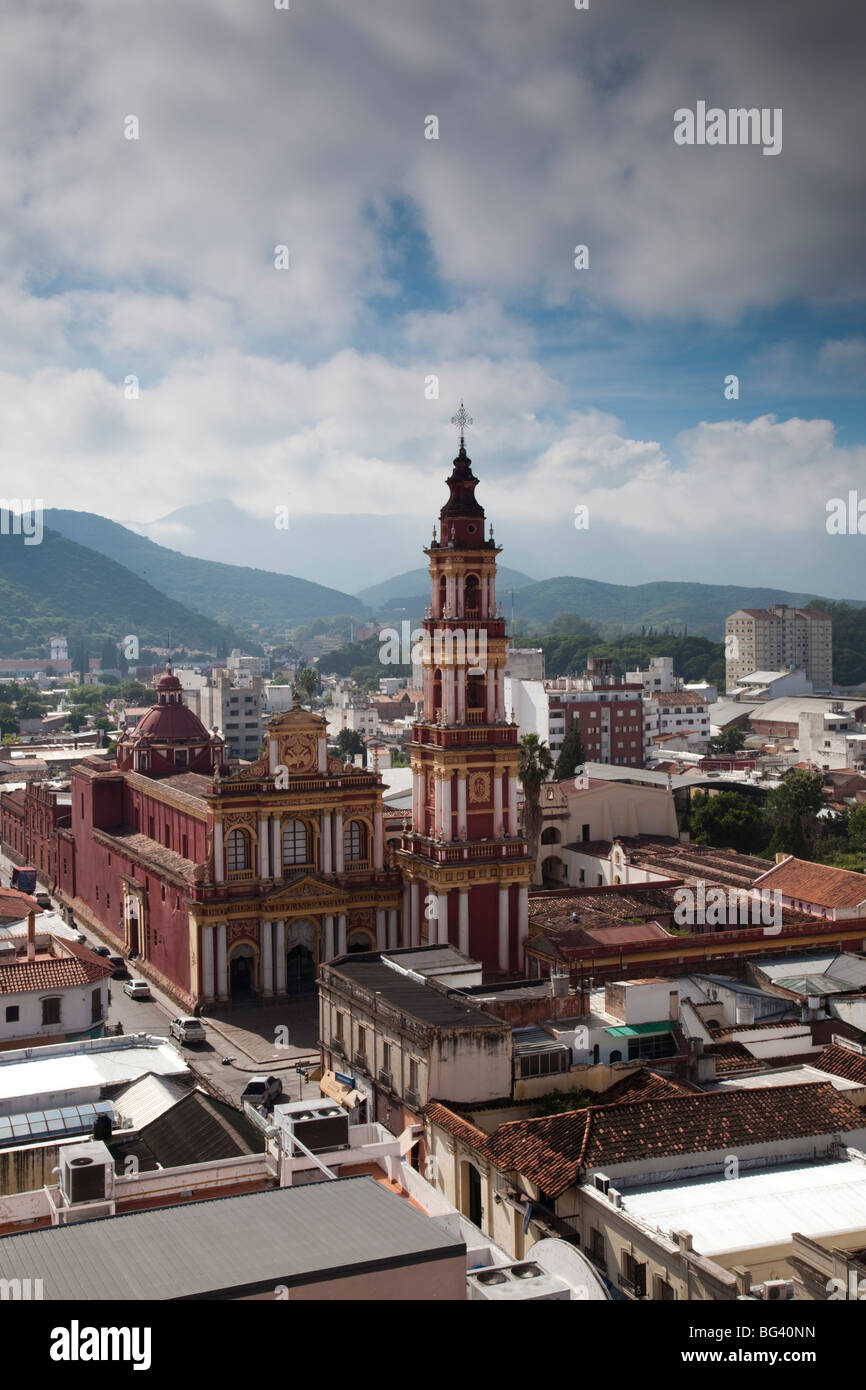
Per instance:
x=460, y=678
x=497, y=803
x=450, y=594
x=405, y=930
x=280, y=958
x=221, y=962
x=380, y=929
x=276, y=849
x=522, y=926
x=273, y=757
x=446, y=809
x=485, y=596
x=338, y=841
x=323, y=754
x=327, y=838
x=341, y=934
x=500, y=693
x=442, y=920
x=437, y=807
x=491, y=695
x=415, y=915
x=219, y=871
x=379, y=840
x=462, y=831
x=503, y=927
x=392, y=928
x=448, y=694
x=459, y=596
x=207, y=962
x=267, y=958
x=512, y=803
x=463, y=925
x=264, y=847
x=329, y=938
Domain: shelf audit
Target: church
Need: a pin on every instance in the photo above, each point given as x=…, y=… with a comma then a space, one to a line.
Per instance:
x=229, y=885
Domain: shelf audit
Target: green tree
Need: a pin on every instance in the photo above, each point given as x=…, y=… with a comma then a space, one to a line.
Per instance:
x=75, y=721
x=571, y=755
x=8, y=721
x=308, y=683
x=557, y=1102
x=729, y=820
x=729, y=741
x=350, y=742
x=535, y=764
x=792, y=809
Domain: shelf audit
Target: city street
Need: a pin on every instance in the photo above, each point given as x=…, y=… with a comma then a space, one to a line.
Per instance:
x=272, y=1039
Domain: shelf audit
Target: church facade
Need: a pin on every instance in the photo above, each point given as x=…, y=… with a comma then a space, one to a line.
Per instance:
x=228, y=887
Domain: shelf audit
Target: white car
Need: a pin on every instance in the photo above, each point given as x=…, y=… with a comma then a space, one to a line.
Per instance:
x=187, y=1030
x=137, y=989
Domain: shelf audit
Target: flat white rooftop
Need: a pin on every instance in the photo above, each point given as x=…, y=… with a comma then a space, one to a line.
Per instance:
x=81, y=1071
x=783, y=1076
x=726, y=1216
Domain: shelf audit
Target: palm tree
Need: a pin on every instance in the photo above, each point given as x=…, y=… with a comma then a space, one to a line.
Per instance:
x=534, y=767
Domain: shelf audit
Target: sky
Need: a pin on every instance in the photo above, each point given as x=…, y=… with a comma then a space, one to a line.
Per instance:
x=158, y=354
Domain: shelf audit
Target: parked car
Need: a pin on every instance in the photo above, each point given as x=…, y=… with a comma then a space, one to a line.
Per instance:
x=187, y=1030
x=262, y=1090
x=137, y=989
x=119, y=971
x=43, y=900
x=101, y=951
x=80, y=938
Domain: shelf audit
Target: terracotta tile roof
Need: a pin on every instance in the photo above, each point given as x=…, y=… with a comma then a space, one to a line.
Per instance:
x=841, y=1062
x=80, y=967
x=759, y=1027
x=553, y=1152
x=732, y=1057
x=14, y=903
x=678, y=697
x=816, y=883
x=640, y=1085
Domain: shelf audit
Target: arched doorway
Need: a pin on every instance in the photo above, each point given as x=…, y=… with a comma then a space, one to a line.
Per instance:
x=242, y=973
x=360, y=941
x=301, y=957
x=553, y=872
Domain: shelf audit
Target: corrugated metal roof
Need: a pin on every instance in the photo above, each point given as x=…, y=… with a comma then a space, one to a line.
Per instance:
x=148, y=1098
x=420, y=1001
x=257, y=1240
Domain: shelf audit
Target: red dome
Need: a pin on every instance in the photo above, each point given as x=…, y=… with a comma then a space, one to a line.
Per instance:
x=171, y=723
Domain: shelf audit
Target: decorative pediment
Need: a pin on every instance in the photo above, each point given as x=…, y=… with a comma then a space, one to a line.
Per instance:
x=307, y=887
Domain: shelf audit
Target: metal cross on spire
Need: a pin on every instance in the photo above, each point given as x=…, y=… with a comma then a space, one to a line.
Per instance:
x=462, y=419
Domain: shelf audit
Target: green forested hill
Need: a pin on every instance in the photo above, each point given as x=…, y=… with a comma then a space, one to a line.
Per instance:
x=248, y=599
x=59, y=586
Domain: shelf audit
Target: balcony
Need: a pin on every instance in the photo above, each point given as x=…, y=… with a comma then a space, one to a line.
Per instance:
x=240, y=876
x=475, y=715
x=361, y=1061
x=385, y=1079
x=411, y=1097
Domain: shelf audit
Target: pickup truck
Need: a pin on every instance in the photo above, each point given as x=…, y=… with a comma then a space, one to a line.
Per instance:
x=262, y=1090
x=187, y=1030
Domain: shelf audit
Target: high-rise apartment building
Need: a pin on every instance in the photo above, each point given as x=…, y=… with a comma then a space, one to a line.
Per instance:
x=779, y=638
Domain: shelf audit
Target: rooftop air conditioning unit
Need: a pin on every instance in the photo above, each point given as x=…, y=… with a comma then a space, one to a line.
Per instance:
x=524, y=1281
x=86, y=1173
x=777, y=1290
x=602, y=1183
x=321, y=1126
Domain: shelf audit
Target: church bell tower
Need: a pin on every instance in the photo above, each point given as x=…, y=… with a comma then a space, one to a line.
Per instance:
x=465, y=861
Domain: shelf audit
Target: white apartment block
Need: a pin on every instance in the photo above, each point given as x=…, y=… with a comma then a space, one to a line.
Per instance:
x=678, y=719
x=658, y=679
x=237, y=710
x=779, y=638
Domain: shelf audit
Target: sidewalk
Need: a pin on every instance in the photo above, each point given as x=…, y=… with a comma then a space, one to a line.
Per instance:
x=278, y=1035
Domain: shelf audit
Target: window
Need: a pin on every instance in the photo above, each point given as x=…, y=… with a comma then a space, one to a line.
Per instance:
x=97, y=892
x=362, y=1043
x=413, y=1075
x=237, y=851
x=664, y=1292
x=355, y=841
x=181, y=757
x=12, y=1013
x=386, y=1058
x=596, y=1246
x=544, y=1063
x=338, y=1025
x=633, y=1275
x=96, y=1006
x=295, y=842
x=107, y=901
x=50, y=1011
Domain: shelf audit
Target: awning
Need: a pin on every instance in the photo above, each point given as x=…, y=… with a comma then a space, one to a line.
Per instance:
x=638, y=1030
x=337, y=1090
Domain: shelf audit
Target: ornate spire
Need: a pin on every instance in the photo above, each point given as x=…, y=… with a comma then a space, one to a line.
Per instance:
x=461, y=420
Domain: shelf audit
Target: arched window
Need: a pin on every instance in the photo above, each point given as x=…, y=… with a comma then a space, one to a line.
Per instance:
x=295, y=842
x=615, y=1057
x=355, y=841
x=550, y=836
x=237, y=852
x=472, y=596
